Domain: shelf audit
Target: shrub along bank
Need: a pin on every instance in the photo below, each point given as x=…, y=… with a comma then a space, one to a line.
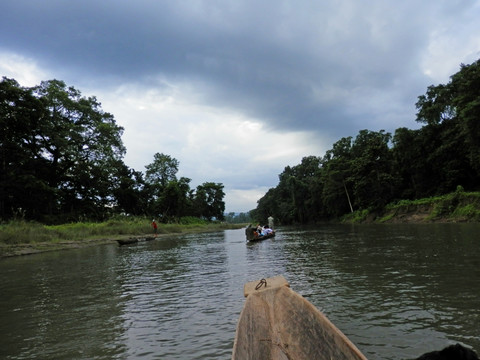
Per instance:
x=459, y=206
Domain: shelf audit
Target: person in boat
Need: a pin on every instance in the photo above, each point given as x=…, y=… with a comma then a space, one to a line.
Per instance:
x=250, y=232
x=257, y=231
x=266, y=230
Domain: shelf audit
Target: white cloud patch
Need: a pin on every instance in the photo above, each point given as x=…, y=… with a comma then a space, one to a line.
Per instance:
x=24, y=70
x=211, y=144
x=452, y=41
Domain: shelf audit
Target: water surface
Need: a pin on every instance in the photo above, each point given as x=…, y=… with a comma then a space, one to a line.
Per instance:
x=395, y=290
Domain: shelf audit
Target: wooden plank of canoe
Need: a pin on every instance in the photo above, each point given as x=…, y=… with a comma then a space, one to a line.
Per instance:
x=277, y=323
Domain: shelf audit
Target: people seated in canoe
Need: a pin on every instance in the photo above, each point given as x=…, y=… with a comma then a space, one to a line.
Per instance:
x=263, y=231
x=258, y=232
x=266, y=230
x=250, y=232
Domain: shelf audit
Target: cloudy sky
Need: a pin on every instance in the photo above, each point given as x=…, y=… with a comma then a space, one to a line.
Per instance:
x=237, y=90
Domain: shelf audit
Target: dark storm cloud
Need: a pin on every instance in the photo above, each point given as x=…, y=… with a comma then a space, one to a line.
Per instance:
x=304, y=72
x=324, y=67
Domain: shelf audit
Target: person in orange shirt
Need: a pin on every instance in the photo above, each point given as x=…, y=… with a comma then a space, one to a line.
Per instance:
x=155, y=227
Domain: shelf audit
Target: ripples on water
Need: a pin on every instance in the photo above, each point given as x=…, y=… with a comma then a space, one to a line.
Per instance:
x=396, y=291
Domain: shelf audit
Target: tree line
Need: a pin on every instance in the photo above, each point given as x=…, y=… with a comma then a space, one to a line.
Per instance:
x=376, y=168
x=61, y=160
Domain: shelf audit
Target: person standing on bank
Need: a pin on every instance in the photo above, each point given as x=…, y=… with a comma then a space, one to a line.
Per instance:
x=155, y=227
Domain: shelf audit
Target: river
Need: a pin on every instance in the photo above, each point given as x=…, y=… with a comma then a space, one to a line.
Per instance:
x=396, y=291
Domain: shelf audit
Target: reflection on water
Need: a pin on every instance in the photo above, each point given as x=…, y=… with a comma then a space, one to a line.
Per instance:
x=396, y=290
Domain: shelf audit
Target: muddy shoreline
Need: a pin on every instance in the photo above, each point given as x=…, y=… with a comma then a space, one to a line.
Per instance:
x=7, y=251
x=408, y=215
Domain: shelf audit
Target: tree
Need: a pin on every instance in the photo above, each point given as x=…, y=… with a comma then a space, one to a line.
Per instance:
x=160, y=173
x=65, y=148
x=450, y=113
x=370, y=171
x=466, y=85
x=297, y=197
x=409, y=162
x=163, y=169
x=129, y=191
x=82, y=144
x=239, y=218
x=276, y=203
x=208, y=201
x=23, y=181
x=336, y=178
x=372, y=174
x=176, y=199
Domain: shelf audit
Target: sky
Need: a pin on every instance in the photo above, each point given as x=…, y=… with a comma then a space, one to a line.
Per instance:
x=236, y=90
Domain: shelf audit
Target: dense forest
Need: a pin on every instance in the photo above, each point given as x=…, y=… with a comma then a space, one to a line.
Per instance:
x=61, y=160
x=376, y=168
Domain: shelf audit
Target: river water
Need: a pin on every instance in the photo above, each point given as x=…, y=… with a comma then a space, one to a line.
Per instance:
x=396, y=291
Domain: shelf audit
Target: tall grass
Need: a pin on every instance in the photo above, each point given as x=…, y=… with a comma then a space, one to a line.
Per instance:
x=23, y=232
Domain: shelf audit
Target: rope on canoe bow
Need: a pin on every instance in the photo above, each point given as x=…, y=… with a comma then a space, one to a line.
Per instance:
x=261, y=283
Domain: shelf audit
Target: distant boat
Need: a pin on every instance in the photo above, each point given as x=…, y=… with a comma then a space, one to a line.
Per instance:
x=277, y=323
x=127, y=241
x=262, y=237
x=250, y=234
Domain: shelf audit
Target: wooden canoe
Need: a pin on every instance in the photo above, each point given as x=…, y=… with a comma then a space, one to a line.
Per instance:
x=127, y=241
x=277, y=323
x=250, y=234
x=264, y=237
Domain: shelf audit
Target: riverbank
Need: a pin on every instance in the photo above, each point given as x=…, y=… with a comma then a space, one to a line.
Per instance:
x=458, y=206
x=25, y=238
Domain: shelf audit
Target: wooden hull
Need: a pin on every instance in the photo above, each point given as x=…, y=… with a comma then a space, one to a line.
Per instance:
x=277, y=323
x=127, y=241
x=260, y=238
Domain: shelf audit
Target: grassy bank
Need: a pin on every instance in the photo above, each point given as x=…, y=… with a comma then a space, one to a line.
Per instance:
x=21, y=237
x=459, y=206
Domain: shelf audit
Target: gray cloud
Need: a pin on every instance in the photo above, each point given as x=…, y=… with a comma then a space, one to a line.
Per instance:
x=329, y=67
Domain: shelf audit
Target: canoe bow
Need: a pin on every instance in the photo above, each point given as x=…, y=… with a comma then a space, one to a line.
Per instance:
x=277, y=323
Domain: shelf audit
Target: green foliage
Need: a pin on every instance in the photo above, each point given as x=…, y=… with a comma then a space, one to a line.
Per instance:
x=162, y=170
x=375, y=169
x=58, y=150
x=61, y=161
x=208, y=201
x=415, y=203
x=191, y=220
x=21, y=232
x=240, y=218
x=86, y=230
x=356, y=217
x=386, y=218
x=469, y=211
